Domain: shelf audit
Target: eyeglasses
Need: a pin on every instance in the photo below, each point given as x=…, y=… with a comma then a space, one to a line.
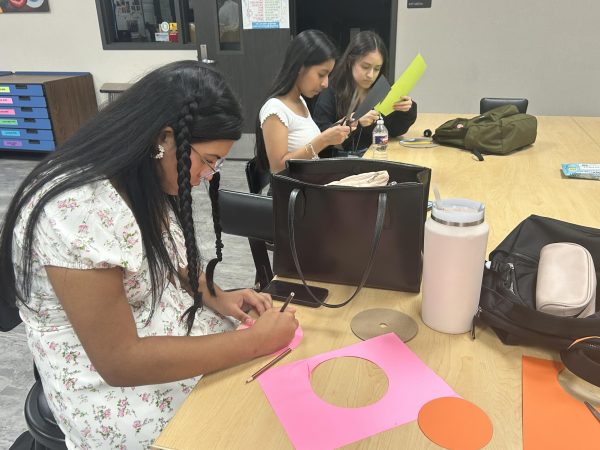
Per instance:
x=213, y=167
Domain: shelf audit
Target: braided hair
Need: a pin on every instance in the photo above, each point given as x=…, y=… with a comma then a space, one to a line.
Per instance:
x=183, y=137
x=213, y=192
x=184, y=197
x=117, y=145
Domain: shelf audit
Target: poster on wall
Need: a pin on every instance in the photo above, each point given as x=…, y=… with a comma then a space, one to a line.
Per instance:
x=257, y=14
x=129, y=20
x=419, y=4
x=15, y=6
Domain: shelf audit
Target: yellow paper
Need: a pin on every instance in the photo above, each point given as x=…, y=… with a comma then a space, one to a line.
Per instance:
x=403, y=85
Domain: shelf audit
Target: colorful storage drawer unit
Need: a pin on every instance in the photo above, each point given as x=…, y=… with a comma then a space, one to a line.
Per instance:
x=40, y=110
x=36, y=113
x=25, y=122
x=27, y=144
x=20, y=89
x=28, y=133
x=22, y=100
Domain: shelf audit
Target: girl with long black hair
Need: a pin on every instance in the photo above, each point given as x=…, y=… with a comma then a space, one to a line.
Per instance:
x=285, y=129
x=362, y=63
x=98, y=251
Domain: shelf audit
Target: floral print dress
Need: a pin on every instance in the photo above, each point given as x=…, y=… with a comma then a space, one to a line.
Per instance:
x=91, y=227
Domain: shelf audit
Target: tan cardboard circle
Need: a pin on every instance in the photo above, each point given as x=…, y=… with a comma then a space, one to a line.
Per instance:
x=375, y=322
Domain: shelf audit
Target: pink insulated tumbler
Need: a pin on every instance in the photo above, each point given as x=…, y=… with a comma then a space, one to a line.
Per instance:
x=454, y=255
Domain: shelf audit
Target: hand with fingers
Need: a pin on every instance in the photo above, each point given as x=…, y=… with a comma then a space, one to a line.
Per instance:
x=404, y=104
x=274, y=329
x=235, y=303
x=369, y=118
x=336, y=134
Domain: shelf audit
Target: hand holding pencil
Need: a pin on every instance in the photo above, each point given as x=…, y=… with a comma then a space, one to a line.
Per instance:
x=287, y=301
x=274, y=329
x=283, y=353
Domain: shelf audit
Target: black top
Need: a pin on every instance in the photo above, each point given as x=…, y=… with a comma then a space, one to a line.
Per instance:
x=325, y=115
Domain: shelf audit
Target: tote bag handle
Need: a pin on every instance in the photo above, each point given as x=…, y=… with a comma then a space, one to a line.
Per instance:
x=582, y=358
x=381, y=205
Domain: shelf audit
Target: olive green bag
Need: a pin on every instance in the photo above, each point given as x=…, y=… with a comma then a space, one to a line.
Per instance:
x=498, y=131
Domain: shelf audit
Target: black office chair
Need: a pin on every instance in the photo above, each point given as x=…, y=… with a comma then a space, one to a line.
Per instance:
x=258, y=179
x=256, y=225
x=487, y=103
x=43, y=432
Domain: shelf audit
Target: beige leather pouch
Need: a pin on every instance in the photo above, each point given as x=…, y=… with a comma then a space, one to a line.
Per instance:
x=566, y=281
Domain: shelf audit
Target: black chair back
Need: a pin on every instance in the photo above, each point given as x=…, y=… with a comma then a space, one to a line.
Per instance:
x=256, y=210
x=9, y=316
x=257, y=177
x=487, y=103
x=257, y=225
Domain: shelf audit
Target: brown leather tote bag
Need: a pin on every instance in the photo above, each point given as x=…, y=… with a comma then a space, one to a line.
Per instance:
x=350, y=235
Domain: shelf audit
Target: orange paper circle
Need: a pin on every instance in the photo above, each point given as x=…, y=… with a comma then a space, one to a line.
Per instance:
x=455, y=423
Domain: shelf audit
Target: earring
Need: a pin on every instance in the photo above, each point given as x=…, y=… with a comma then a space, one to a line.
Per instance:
x=160, y=153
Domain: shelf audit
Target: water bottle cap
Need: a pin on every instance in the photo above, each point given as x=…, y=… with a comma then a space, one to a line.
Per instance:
x=458, y=212
x=380, y=121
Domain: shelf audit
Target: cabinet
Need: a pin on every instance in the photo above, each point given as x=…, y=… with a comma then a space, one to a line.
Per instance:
x=41, y=111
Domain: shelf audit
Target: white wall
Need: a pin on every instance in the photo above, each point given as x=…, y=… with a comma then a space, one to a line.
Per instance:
x=68, y=39
x=545, y=50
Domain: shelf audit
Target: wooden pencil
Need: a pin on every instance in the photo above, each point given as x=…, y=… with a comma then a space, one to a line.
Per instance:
x=287, y=301
x=269, y=364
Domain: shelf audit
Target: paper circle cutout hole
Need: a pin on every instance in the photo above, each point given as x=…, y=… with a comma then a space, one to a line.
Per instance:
x=374, y=322
x=455, y=423
x=331, y=383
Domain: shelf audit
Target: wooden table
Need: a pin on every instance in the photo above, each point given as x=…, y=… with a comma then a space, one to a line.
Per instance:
x=222, y=412
x=589, y=126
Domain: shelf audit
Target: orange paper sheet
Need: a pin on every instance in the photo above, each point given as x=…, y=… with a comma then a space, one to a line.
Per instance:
x=552, y=419
x=443, y=421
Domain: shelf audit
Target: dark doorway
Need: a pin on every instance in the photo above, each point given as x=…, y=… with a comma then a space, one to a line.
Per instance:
x=342, y=19
x=248, y=58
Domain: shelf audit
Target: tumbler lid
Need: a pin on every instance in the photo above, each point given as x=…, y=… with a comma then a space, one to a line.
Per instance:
x=458, y=212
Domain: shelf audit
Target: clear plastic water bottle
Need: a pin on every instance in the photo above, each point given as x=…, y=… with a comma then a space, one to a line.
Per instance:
x=380, y=140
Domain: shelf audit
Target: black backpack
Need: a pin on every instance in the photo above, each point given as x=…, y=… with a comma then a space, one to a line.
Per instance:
x=507, y=302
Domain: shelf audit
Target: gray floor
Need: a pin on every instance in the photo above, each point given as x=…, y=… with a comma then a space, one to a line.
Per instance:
x=16, y=376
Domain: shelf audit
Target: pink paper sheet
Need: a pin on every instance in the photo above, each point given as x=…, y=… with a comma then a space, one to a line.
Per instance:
x=314, y=424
